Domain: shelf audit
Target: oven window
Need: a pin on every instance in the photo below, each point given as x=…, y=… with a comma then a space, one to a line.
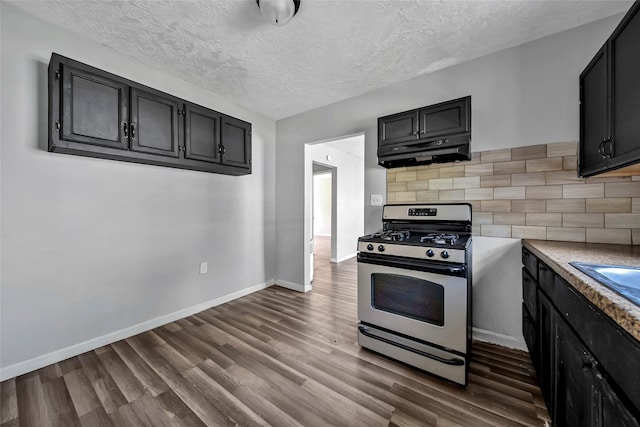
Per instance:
x=408, y=296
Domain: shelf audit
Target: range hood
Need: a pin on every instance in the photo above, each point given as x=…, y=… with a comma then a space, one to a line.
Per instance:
x=437, y=133
x=422, y=153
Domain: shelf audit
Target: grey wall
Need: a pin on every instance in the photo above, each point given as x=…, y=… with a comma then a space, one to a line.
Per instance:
x=521, y=96
x=91, y=247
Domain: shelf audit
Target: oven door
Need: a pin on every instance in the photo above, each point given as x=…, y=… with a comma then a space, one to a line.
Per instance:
x=426, y=305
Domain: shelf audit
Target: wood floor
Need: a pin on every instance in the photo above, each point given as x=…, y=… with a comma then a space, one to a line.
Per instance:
x=275, y=357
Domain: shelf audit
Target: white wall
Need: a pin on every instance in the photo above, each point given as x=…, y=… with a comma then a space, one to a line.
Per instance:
x=322, y=204
x=521, y=96
x=95, y=248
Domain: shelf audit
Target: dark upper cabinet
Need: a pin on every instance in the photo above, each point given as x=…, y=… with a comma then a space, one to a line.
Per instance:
x=401, y=127
x=594, y=115
x=427, y=123
x=610, y=101
x=154, y=123
x=97, y=114
x=95, y=107
x=624, y=50
x=236, y=142
x=437, y=133
x=202, y=134
x=448, y=118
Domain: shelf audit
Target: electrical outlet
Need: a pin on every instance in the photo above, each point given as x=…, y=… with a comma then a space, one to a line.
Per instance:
x=203, y=268
x=376, y=200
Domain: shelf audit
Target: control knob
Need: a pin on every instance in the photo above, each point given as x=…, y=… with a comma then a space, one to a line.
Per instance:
x=444, y=254
x=370, y=247
x=381, y=248
x=430, y=253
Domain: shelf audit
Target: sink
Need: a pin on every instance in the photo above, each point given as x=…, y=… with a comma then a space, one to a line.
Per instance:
x=621, y=279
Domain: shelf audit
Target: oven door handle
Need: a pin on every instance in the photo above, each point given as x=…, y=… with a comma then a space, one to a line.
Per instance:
x=414, y=264
x=453, y=361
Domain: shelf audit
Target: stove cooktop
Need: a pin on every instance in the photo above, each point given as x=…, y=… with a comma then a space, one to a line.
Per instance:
x=405, y=237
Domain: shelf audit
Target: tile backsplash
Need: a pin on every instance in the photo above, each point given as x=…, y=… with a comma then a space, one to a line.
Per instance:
x=528, y=192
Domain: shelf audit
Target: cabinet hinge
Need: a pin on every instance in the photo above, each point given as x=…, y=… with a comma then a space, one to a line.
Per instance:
x=57, y=75
x=57, y=124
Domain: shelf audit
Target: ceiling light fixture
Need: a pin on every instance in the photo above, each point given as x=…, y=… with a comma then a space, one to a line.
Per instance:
x=278, y=12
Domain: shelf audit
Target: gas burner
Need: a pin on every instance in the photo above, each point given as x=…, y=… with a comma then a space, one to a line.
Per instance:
x=394, y=236
x=439, y=239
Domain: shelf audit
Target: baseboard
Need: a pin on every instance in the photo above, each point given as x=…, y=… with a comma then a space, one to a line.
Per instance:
x=293, y=286
x=344, y=258
x=76, y=349
x=500, y=339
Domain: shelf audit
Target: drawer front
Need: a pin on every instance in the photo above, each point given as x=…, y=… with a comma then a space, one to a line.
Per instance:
x=530, y=294
x=545, y=280
x=530, y=262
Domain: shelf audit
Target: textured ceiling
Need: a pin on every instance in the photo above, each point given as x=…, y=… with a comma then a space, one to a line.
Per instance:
x=331, y=50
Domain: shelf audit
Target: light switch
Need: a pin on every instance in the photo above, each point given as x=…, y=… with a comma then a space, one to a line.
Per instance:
x=376, y=200
x=203, y=268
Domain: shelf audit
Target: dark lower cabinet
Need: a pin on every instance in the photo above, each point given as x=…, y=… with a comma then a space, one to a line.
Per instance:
x=97, y=114
x=547, y=337
x=588, y=368
x=576, y=378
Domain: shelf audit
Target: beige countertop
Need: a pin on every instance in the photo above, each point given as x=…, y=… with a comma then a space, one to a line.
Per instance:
x=558, y=255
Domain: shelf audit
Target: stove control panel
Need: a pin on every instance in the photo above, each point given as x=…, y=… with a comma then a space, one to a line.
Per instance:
x=423, y=212
x=409, y=251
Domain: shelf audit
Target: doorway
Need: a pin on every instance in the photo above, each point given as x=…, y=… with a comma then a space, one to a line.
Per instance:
x=343, y=160
x=322, y=217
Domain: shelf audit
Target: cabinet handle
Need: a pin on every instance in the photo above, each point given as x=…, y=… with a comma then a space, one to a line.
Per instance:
x=125, y=129
x=133, y=131
x=608, y=147
x=605, y=148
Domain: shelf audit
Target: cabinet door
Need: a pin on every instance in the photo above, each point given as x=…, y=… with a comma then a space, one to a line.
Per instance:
x=594, y=115
x=530, y=294
x=154, y=123
x=612, y=409
x=547, y=324
x=398, y=128
x=202, y=134
x=445, y=119
x=236, y=142
x=530, y=334
x=575, y=378
x=625, y=90
x=94, y=107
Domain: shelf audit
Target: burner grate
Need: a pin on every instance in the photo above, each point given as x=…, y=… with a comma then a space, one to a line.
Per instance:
x=439, y=239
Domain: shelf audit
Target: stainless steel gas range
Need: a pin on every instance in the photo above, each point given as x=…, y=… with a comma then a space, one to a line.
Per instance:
x=414, y=288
